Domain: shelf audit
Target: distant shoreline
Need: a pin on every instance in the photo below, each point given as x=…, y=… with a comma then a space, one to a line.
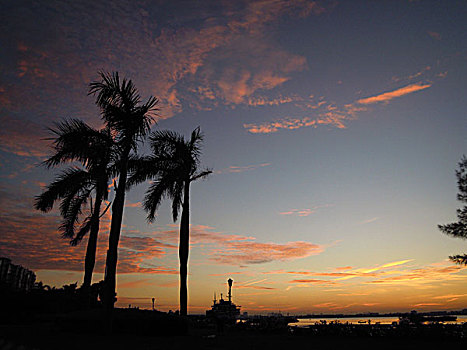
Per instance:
x=392, y=314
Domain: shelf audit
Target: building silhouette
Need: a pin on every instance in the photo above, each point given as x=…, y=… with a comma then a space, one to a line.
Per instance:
x=15, y=277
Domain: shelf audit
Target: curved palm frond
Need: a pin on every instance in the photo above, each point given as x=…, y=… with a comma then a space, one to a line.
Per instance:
x=83, y=231
x=459, y=259
x=74, y=141
x=68, y=181
x=173, y=162
x=176, y=194
x=160, y=189
x=122, y=109
x=74, y=210
x=201, y=175
x=195, y=144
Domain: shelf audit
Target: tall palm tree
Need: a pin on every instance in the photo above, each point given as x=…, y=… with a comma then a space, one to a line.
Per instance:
x=130, y=121
x=172, y=166
x=73, y=141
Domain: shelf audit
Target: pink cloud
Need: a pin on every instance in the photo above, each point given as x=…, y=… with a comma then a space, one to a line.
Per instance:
x=331, y=118
x=248, y=252
x=241, y=169
x=287, y=123
x=263, y=101
x=387, y=96
x=298, y=212
x=23, y=138
x=304, y=212
x=235, y=249
x=434, y=35
x=31, y=238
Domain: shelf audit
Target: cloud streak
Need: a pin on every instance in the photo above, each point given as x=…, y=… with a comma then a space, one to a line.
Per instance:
x=387, y=96
x=238, y=250
x=325, y=113
x=304, y=212
x=241, y=169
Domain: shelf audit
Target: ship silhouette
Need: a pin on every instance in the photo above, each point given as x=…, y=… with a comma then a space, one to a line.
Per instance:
x=224, y=310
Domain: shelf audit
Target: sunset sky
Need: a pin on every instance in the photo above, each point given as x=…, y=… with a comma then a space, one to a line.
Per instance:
x=333, y=129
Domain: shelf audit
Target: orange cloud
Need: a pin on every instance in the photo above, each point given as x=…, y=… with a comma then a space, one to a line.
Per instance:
x=231, y=273
x=450, y=296
x=343, y=268
x=387, y=96
x=426, y=304
x=368, y=221
x=135, y=284
x=133, y=205
x=344, y=273
x=313, y=281
x=424, y=275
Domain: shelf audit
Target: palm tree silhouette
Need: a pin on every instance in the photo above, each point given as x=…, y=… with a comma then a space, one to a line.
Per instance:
x=172, y=166
x=76, y=141
x=129, y=120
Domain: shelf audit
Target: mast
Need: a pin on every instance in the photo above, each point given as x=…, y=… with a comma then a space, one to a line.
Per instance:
x=230, y=281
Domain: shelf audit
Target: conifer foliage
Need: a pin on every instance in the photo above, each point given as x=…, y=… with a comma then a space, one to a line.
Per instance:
x=459, y=228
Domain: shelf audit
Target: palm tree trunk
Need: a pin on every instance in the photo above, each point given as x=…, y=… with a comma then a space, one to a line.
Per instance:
x=90, y=259
x=114, y=235
x=183, y=249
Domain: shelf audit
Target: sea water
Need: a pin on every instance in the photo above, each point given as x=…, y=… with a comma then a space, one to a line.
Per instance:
x=304, y=322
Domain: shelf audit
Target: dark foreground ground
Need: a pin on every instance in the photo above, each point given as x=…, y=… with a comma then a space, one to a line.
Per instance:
x=48, y=336
x=55, y=319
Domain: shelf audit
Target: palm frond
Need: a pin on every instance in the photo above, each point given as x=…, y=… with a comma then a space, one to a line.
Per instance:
x=74, y=210
x=201, y=175
x=83, y=231
x=73, y=141
x=122, y=109
x=173, y=162
x=67, y=183
x=159, y=190
x=459, y=259
x=176, y=193
x=106, y=90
